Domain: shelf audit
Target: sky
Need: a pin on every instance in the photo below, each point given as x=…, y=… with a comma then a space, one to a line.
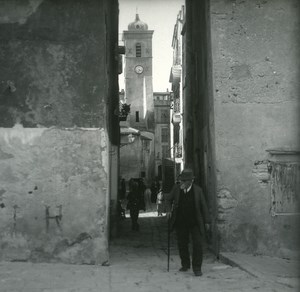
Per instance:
x=160, y=15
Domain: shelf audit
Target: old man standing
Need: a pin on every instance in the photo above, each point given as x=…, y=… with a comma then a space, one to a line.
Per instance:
x=189, y=217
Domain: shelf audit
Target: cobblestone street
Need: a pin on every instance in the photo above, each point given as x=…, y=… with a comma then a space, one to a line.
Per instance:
x=138, y=263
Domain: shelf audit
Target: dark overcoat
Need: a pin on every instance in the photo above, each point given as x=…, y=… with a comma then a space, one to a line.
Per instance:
x=202, y=214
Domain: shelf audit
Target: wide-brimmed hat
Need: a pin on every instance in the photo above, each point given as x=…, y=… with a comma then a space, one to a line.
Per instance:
x=186, y=174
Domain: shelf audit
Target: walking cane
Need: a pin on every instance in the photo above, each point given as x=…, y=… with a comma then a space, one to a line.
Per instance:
x=168, y=242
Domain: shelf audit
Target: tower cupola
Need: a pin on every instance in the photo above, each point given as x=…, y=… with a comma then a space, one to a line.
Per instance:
x=137, y=25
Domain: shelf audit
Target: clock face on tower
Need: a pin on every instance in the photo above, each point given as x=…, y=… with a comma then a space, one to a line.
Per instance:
x=138, y=69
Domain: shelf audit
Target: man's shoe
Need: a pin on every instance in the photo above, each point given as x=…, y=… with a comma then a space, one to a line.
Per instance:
x=183, y=269
x=198, y=273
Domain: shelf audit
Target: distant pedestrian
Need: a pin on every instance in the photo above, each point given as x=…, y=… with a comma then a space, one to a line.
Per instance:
x=153, y=192
x=189, y=217
x=133, y=205
x=141, y=190
x=160, y=203
x=122, y=198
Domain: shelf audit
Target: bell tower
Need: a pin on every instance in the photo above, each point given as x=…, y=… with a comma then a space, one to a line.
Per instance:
x=138, y=74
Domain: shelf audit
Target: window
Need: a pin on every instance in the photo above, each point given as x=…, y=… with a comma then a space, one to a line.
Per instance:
x=164, y=116
x=285, y=189
x=283, y=173
x=137, y=116
x=138, y=50
x=164, y=135
x=165, y=149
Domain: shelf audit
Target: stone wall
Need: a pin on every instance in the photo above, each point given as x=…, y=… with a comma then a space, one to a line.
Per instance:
x=255, y=48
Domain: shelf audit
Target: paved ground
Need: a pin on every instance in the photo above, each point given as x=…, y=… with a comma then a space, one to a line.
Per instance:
x=139, y=263
x=268, y=269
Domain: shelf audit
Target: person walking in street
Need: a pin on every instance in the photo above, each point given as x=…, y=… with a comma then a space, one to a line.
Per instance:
x=133, y=205
x=153, y=192
x=155, y=187
x=160, y=203
x=189, y=217
x=141, y=191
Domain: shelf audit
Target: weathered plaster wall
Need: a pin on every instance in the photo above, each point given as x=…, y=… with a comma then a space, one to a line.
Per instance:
x=50, y=54
x=58, y=70
x=42, y=168
x=256, y=87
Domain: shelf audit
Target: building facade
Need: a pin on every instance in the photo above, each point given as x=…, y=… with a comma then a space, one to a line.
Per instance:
x=162, y=135
x=177, y=102
x=59, y=127
x=58, y=130
x=138, y=73
x=241, y=135
x=139, y=95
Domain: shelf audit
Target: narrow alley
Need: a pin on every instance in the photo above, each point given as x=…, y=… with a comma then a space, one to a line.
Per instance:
x=104, y=101
x=138, y=263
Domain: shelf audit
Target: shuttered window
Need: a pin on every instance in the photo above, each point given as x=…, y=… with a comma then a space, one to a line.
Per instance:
x=164, y=135
x=138, y=50
x=285, y=187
